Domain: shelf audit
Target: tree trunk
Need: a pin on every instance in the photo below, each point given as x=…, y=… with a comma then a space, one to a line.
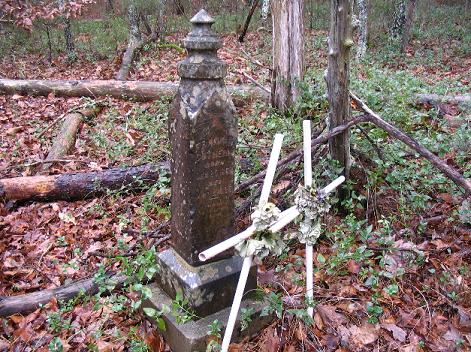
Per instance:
x=340, y=42
x=82, y=185
x=159, y=22
x=69, y=41
x=134, y=43
x=265, y=10
x=362, y=6
x=409, y=20
x=65, y=140
x=399, y=19
x=68, y=37
x=49, y=43
x=247, y=20
x=288, y=52
x=134, y=90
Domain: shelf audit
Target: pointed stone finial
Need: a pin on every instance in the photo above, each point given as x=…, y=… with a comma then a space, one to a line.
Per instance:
x=202, y=17
x=202, y=45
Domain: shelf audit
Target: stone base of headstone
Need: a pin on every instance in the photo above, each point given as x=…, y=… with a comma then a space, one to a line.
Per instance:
x=208, y=288
x=192, y=336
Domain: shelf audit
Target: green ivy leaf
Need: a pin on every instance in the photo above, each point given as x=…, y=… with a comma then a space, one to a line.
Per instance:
x=150, y=312
x=320, y=258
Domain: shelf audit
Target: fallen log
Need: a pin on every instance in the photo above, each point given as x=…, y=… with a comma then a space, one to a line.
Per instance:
x=81, y=185
x=23, y=304
x=393, y=131
x=134, y=90
x=434, y=99
x=26, y=303
x=65, y=140
x=75, y=186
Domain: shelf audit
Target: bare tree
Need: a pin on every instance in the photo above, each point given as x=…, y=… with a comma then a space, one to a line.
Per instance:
x=340, y=42
x=68, y=36
x=247, y=20
x=288, y=51
x=134, y=42
x=265, y=10
x=399, y=19
x=410, y=10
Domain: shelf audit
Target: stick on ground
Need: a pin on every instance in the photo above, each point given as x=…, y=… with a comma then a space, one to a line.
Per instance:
x=395, y=132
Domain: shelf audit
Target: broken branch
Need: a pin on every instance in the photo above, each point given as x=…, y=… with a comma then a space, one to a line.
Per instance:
x=393, y=131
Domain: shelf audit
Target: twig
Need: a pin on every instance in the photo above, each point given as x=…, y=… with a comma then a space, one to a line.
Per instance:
x=372, y=142
x=427, y=305
x=255, y=82
x=162, y=240
x=53, y=123
x=130, y=254
x=248, y=58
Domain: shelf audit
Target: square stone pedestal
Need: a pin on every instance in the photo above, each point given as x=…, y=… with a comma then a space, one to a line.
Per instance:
x=192, y=336
x=210, y=290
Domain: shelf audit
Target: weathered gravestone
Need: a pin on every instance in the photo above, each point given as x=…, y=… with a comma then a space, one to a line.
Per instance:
x=203, y=136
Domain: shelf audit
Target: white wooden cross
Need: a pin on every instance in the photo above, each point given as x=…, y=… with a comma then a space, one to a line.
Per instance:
x=284, y=218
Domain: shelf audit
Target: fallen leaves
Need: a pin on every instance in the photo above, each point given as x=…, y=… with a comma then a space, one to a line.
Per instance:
x=398, y=333
x=362, y=336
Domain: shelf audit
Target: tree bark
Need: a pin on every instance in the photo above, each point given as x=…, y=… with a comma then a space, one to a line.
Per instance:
x=247, y=20
x=399, y=19
x=69, y=41
x=65, y=140
x=448, y=170
x=82, y=185
x=134, y=90
x=159, y=22
x=288, y=52
x=135, y=43
x=68, y=36
x=362, y=6
x=340, y=42
x=409, y=20
x=22, y=304
x=265, y=10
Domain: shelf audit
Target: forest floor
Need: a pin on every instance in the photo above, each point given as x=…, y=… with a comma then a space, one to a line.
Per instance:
x=392, y=274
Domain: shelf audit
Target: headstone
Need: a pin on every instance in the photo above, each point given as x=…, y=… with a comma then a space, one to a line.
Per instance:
x=203, y=136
